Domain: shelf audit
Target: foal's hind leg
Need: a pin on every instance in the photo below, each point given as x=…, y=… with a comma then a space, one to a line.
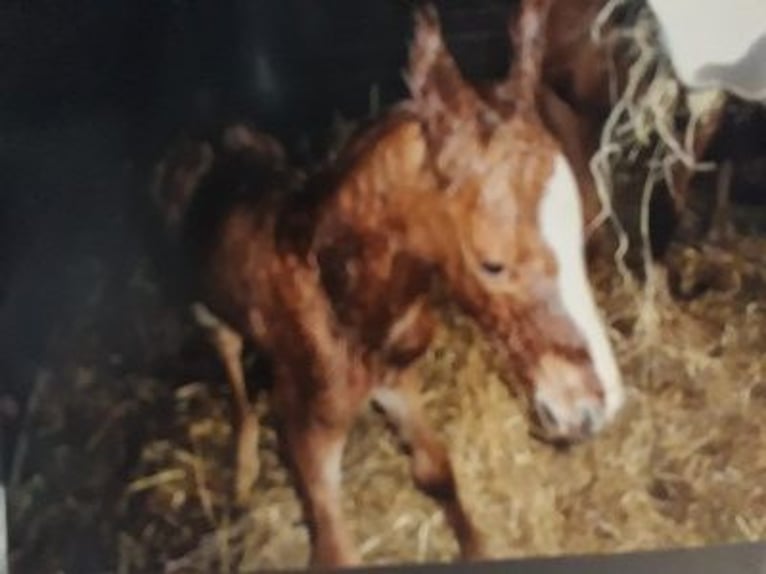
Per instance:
x=228, y=344
x=430, y=463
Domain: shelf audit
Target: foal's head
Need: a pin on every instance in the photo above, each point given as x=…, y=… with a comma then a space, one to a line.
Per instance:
x=516, y=263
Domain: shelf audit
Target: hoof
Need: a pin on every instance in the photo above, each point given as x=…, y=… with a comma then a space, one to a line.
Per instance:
x=473, y=547
x=334, y=555
x=341, y=560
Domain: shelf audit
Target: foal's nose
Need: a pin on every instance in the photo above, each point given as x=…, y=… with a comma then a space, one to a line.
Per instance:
x=560, y=421
x=568, y=400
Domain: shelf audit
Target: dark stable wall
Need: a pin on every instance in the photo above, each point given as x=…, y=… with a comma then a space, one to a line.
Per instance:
x=284, y=62
x=92, y=90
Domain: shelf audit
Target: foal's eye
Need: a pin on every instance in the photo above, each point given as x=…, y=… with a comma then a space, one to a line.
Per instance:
x=492, y=267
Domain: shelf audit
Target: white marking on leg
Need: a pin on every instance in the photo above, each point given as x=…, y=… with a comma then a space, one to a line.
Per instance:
x=332, y=468
x=561, y=227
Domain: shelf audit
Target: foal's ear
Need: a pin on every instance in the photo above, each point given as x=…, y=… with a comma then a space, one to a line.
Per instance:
x=427, y=48
x=527, y=32
x=455, y=119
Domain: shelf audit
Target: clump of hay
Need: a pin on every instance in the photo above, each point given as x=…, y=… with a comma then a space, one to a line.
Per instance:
x=684, y=465
x=651, y=127
x=136, y=463
x=650, y=130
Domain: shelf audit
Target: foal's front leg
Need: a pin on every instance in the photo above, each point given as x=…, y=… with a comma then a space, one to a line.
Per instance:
x=316, y=448
x=320, y=387
x=317, y=415
x=431, y=467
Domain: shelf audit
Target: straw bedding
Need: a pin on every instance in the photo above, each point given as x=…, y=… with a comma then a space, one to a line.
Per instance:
x=137, y=464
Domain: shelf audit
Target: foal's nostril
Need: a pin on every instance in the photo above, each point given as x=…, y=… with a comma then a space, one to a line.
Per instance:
x=588, y=424
x=546, y=415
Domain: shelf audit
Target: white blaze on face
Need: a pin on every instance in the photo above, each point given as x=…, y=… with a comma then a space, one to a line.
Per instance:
x=562, y=228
